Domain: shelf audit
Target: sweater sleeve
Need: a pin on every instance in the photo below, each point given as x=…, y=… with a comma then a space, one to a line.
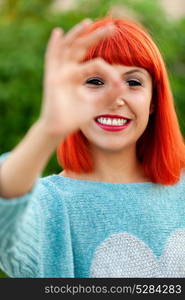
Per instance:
x=20, y=219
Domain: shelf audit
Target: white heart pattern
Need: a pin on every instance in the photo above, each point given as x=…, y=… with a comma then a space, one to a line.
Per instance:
x=124, y=255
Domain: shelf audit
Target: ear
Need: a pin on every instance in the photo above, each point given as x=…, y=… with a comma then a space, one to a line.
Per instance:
x=151, y=107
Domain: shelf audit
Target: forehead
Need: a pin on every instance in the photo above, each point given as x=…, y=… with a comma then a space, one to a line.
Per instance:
x=131, y=70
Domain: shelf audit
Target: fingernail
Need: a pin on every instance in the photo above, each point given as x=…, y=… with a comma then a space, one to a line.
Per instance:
x=107, y=28
x=57, y=31
x=87, y=22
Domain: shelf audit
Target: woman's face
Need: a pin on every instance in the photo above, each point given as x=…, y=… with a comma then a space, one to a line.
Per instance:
x=109, y=133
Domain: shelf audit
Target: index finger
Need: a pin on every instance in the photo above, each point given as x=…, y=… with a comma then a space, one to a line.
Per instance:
x=82, y=44
x=95, y=36
x=76, y=31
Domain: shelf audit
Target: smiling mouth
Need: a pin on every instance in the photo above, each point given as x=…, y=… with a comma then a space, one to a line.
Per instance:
x=112, y=124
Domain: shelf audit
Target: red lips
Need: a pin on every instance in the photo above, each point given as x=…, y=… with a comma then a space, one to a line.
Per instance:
x=112, y=116
x=111, y=127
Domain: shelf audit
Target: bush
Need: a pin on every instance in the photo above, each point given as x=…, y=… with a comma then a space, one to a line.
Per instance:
x=24, y=34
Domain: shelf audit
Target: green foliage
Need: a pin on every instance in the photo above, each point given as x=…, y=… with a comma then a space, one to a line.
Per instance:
x=25, y=27
x=24, y=33
x=3, y=275
x=20, y=9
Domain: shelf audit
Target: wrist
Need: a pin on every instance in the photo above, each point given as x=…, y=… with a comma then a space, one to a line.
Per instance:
x=46, y=132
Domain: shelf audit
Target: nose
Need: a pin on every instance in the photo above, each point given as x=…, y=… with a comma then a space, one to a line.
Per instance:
x=118, y=103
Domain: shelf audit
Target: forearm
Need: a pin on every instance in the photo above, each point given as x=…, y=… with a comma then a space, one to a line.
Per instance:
x=20, y=170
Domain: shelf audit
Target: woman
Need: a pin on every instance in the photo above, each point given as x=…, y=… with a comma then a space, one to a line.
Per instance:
x=117, y=209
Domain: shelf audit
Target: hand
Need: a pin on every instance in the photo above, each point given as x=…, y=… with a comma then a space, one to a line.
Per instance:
x=68, y=102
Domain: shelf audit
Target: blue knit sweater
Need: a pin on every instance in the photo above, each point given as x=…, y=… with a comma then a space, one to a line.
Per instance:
x=67, y=227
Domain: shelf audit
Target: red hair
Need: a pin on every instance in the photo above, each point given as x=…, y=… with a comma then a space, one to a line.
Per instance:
x=160, y=149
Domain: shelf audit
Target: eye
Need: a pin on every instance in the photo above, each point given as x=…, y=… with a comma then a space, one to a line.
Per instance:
x=134, y=82
x=94, y=81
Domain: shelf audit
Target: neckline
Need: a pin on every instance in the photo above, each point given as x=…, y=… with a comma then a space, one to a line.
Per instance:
x=93, y=182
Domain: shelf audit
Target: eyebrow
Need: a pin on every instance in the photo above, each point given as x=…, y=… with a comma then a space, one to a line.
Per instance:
x=134, y=71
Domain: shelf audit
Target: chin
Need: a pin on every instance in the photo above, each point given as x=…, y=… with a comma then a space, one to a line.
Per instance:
x=110, y=147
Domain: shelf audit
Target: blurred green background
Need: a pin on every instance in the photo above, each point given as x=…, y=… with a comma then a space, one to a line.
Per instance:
x=25, y=27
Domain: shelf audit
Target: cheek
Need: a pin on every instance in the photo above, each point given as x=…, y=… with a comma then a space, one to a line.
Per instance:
x=88, y=128
x=141, y=109
x=140, y=103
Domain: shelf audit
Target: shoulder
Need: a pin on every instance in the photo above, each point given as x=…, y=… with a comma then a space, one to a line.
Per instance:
x=48, y=184
x=179, y=186
x=54, y=186
x=182, y=177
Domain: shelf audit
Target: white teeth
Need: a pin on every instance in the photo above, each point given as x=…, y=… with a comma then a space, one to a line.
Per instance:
x=110, y=121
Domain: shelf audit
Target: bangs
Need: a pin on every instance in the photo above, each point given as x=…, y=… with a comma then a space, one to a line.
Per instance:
x=126, y=46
